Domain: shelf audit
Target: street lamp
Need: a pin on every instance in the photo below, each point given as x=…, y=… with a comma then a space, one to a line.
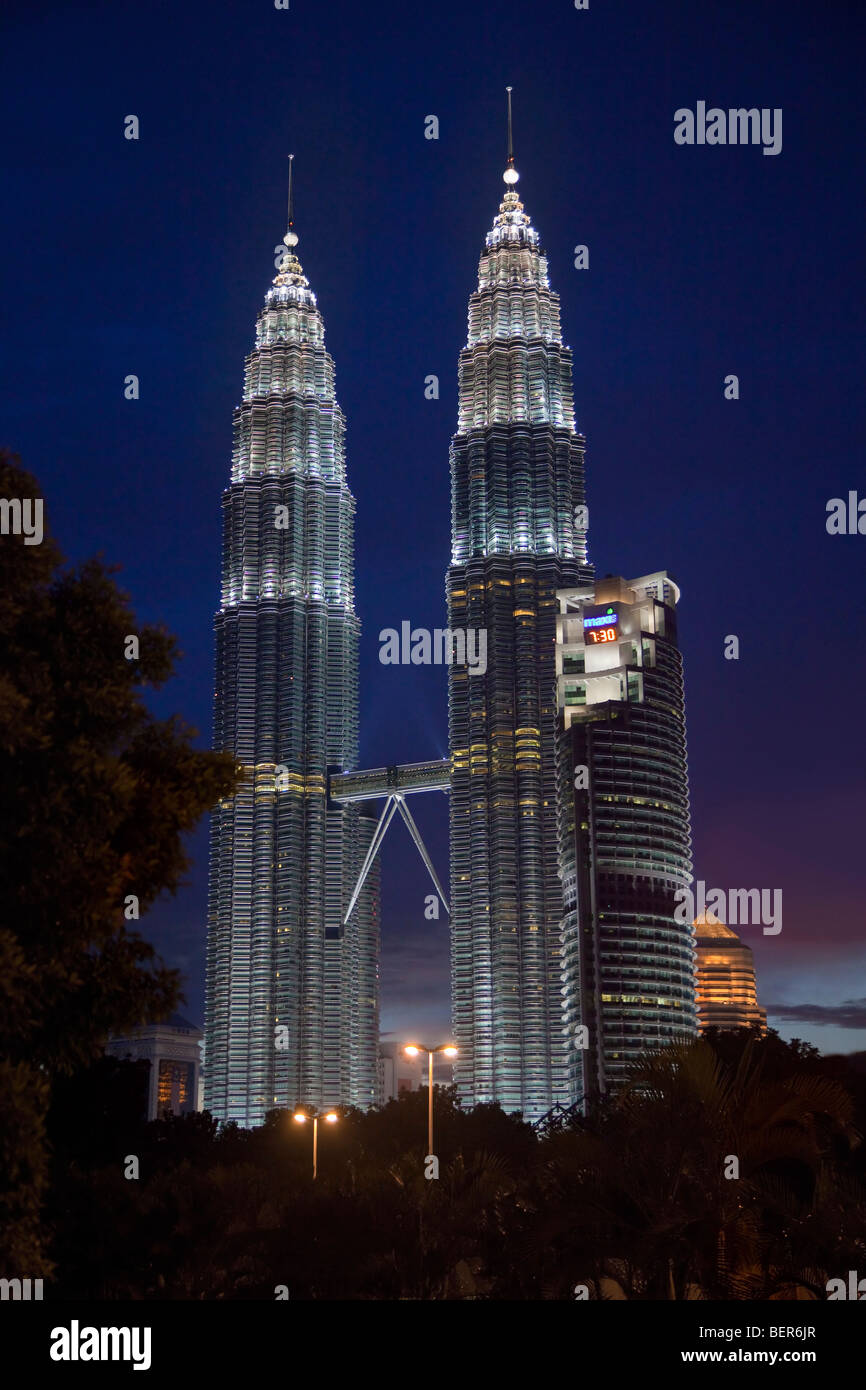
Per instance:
x=412, y=1050
x=329, y=1116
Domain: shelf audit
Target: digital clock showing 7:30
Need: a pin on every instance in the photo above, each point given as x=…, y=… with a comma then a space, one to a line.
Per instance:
x=601, y=628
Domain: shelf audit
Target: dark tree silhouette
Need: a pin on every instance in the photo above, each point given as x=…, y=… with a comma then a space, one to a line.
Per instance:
x=634, y=1202
x=97, y=796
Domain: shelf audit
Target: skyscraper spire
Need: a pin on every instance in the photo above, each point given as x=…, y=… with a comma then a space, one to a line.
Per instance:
x=291, y=237
x=517, y=488
x=292, y=989
x=511, y=175
x=290, y=269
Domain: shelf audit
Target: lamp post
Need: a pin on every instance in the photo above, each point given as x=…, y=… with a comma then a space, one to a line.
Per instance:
x=329, y=1116
x=413, y=1050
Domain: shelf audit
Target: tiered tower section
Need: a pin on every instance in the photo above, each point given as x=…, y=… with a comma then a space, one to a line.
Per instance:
x=292, y=995
x=518, y=535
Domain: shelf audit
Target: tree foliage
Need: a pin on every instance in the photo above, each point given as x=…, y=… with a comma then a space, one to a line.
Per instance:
x=633, y=1202
x=98, y=795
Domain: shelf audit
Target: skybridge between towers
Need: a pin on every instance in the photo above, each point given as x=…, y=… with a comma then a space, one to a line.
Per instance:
x=391, y=785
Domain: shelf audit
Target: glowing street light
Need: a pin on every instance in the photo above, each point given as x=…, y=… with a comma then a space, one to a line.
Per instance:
x=414, y=1050
x=329, y=1116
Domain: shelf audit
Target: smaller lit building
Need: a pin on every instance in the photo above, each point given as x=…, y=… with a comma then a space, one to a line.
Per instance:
x=727, y=995
x=173, y=1051
x=399, y=1073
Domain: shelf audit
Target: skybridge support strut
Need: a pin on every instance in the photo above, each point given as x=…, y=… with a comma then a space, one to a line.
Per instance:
x=422, y=848
x=396, y=801
x=381, y=829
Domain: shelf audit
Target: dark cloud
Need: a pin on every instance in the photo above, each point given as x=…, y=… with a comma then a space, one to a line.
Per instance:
x=851, y=1013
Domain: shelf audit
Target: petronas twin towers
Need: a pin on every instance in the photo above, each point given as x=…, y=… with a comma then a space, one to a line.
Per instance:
x=292, y=994
x=293, y=948
x=517, y=488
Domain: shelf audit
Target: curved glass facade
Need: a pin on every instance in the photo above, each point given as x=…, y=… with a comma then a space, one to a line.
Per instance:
x=624, y=829
x=292, y=995
x=517, y=478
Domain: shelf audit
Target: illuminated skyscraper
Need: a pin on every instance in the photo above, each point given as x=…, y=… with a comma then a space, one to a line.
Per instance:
x=518, y=535
x=292, y=993
x=624, y=830
x=727, y=991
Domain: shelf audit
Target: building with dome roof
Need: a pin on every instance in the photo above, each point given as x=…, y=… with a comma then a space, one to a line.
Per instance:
x=727, y=995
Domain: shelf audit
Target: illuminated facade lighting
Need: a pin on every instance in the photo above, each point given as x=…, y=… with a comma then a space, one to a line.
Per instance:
x=624, y=828
x=292, y=991
x=727, y=991
x=517, y=478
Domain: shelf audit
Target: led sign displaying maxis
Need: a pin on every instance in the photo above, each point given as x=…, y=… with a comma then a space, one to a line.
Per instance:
x=602, y=628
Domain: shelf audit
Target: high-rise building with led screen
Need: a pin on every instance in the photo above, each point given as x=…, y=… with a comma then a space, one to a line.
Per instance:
x=624, y=833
